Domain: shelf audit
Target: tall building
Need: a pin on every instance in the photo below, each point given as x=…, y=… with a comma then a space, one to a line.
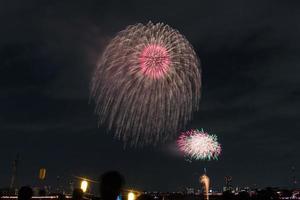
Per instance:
x=228, y=185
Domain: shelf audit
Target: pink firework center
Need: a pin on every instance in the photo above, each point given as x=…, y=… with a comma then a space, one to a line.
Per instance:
x=154, y=61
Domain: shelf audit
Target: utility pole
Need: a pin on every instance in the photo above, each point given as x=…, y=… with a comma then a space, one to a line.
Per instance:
x=14, y=172
x=294, y=180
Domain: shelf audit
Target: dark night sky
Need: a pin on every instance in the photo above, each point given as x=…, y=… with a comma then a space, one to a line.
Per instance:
x=249, y=52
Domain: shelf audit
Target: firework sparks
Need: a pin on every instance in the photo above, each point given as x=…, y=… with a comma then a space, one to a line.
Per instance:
x=204, y=180
x=147, y=84
x=197, y=145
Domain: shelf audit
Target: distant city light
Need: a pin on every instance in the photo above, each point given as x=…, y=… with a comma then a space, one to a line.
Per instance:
x=131, y=196
x=84, y=185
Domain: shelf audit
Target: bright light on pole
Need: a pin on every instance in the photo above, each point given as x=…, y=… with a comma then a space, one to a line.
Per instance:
x=131, y=196
x=84, y=185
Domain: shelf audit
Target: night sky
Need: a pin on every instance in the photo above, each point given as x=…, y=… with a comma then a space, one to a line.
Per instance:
x=249, y=53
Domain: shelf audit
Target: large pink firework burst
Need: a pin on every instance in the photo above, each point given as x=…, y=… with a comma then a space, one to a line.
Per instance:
x=147, y=84
x=197, y=145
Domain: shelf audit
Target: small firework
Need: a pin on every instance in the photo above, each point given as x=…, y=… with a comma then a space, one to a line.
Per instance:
x=204, y=180
x=197, y=145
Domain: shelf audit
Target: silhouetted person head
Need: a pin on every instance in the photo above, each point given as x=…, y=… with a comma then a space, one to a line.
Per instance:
x=111, y=184
x=25, y=193
x=145, y=197
x=61, y=197
x=243, y=196
x=77, y=194
x=267, y=194
x=228, y=195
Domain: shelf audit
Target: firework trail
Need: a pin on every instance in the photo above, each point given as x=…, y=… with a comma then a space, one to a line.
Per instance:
x=147, y=84
x=197, y=145
x=204, y=180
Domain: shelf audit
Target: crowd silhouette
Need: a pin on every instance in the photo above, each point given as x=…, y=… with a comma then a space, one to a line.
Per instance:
x=112, y=184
